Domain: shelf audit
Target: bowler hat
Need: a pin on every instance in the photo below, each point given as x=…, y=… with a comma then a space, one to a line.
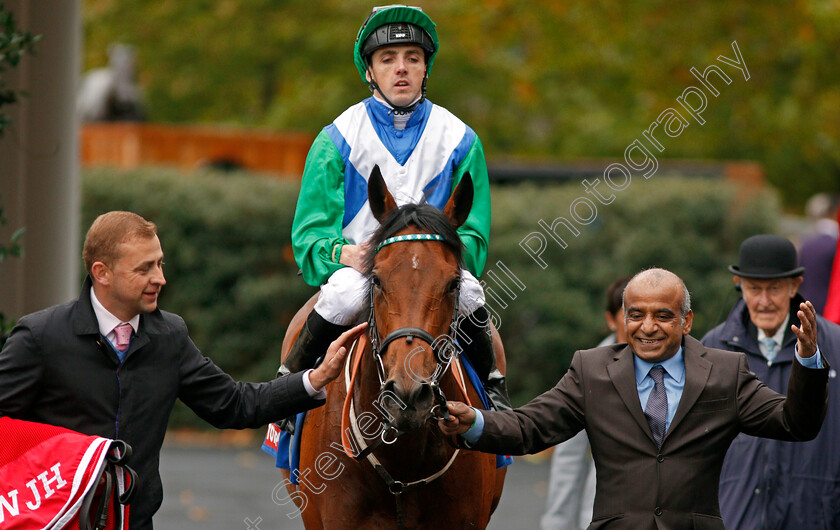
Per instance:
x=767, y=256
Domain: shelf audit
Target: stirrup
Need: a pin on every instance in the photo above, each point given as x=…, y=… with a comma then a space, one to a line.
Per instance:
x=496, y=390
x=287, y=424
x=282, y=371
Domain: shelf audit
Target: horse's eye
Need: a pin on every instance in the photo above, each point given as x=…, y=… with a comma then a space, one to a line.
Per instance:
x=453, y=285
x=375, y=279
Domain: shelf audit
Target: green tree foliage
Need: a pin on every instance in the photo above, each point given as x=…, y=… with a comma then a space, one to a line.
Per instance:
x=242, y=61
x=535, y=79
x=14, y=44
x=231, y=274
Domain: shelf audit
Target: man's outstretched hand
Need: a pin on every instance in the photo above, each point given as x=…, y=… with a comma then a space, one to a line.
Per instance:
x=461, y=418
x=334, y=360
x=806, y=333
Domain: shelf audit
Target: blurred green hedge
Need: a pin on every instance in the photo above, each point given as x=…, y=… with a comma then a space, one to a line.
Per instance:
x=228, y=261
x=230, y=272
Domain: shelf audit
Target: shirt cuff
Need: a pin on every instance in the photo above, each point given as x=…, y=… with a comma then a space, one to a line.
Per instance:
x=316, y=394
x=815, y=361
x=336, y=252
x=475, y=432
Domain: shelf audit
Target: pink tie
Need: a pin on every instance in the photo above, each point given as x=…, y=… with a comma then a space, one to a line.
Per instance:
x=123, y=332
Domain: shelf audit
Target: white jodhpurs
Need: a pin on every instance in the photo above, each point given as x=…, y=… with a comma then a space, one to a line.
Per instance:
x=345, y=296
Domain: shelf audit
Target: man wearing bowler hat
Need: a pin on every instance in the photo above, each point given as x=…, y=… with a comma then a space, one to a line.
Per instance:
x=767, y=484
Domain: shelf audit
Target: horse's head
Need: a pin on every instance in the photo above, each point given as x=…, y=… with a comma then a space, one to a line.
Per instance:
x=415, y=283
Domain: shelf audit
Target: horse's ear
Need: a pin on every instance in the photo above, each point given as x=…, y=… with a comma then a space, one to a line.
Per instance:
x=380, y=199
x=460, y=203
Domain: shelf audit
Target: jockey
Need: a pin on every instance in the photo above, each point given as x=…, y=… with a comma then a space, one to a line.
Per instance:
x=423, y=151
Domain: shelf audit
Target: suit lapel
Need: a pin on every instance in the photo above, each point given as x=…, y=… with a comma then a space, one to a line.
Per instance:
x=139, y=340
x=697, y=370
x=622, y=373
x=150, y=323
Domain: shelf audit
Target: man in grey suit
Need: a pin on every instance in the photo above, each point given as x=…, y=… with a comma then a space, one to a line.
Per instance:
x=112, y=364
x=660, y=411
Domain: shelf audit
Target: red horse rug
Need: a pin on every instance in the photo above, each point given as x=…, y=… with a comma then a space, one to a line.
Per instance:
x=52, y=478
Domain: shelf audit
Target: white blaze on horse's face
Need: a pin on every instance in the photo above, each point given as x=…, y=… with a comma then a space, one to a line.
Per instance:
x=415, y=263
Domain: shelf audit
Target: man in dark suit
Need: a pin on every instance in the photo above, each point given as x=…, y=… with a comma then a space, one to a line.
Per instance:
x=660, y=411
x=112, y=364
x=765, y=484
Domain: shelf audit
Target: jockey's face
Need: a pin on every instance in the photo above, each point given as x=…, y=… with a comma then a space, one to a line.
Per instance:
x=399, y=72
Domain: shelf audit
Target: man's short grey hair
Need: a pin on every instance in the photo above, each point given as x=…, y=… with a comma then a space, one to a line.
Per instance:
x=686, y=303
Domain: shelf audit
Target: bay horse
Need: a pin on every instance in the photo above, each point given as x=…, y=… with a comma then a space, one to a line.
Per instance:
x=377, y=459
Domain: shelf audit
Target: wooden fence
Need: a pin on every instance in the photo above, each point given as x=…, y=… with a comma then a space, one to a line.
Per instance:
x=130, y=145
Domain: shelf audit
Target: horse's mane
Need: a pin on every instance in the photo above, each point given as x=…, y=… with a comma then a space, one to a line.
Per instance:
x=425, y=217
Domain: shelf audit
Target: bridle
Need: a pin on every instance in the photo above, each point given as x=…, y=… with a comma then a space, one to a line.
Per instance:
x=443, y=347
x=445, y=351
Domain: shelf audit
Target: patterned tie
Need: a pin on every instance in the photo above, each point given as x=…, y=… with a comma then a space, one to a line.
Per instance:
x=123, y=332
x=769, y=348
x=656, y=410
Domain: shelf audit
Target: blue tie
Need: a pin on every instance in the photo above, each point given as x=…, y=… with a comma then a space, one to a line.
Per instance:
x=769, y=348
x=656, y=410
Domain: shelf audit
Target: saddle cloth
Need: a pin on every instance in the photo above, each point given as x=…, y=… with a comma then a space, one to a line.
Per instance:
x=53, y=478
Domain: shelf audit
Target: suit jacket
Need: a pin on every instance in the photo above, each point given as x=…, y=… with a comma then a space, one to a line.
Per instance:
x=57, y=369
x=778, y=485
x=640, y=486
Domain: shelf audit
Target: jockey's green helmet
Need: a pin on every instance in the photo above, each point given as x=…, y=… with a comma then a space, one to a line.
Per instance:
x=393, y=25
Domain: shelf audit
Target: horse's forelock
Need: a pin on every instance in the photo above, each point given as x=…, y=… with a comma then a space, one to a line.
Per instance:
x=423, y=216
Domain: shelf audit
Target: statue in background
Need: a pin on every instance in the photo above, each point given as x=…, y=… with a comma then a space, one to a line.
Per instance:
x=111, y=94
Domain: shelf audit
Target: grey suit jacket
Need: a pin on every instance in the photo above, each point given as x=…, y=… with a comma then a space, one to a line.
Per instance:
x=640, y=486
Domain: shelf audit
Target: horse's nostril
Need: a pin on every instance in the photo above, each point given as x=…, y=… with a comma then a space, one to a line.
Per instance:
x=421, y=397
x=392, y=391
x=418, y=397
